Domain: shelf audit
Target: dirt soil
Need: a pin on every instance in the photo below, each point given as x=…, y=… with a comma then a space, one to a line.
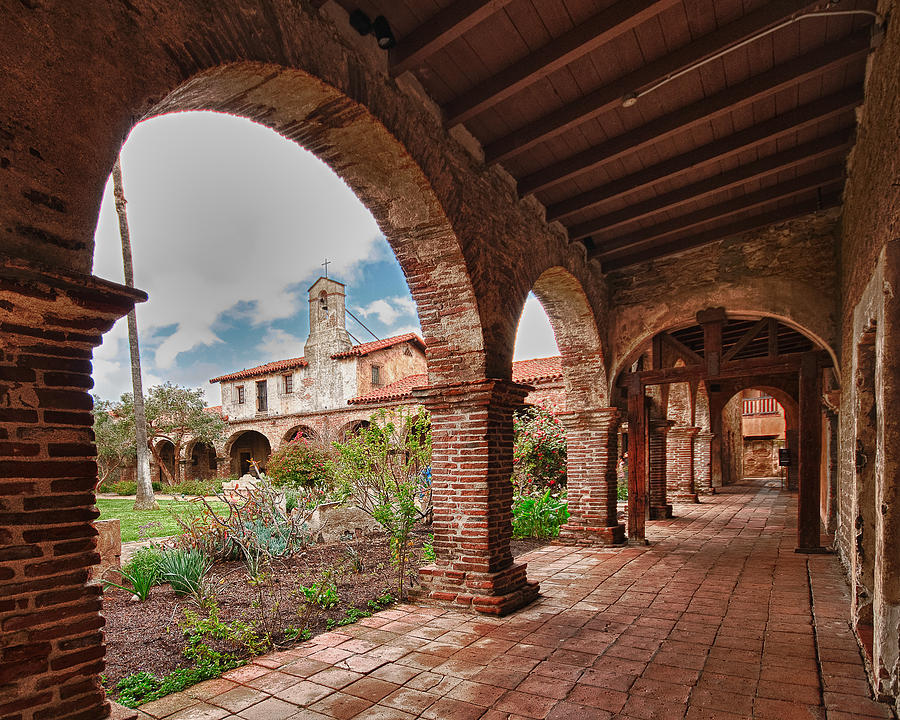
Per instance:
x=147, y=636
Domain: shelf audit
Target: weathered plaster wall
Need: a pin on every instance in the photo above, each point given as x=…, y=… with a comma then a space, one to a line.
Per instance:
x=396, y=363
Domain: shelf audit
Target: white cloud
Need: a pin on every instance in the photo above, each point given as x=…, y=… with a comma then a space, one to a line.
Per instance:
x=279, y=344
x=389, y=310
x=223, y=213
x=534, y=337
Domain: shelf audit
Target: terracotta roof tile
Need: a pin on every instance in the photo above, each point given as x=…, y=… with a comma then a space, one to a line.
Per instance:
x=271, y=367
x=524, y=371
x=538, y=369
x=395, y=391
x=366, y=348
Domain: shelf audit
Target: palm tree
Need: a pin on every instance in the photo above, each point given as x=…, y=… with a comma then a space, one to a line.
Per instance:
x=145, y=499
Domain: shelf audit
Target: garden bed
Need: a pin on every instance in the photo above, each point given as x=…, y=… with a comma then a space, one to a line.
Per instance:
x=147, y=636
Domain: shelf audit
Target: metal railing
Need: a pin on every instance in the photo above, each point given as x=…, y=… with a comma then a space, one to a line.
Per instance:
x=760, y=406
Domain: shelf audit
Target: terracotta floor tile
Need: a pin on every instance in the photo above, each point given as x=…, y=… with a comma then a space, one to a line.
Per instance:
x=269, y=709
x=712, y=620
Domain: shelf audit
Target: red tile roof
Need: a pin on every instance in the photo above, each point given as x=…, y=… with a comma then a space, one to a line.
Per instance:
x=537, y=370
x=366, y=348
x=271, y=367
x=523, y=371
x=397, y=390
x=355, y=351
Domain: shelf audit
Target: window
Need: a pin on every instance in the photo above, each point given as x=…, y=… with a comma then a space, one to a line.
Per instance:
x=262, y=400
x=376, y=375
x=288, y=384
x=240, y=394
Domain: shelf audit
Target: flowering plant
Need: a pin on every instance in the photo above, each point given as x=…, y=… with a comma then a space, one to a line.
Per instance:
x=301, y=465
x=539, y=454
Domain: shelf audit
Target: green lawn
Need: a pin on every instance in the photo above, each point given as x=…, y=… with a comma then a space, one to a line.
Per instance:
x=131, y=520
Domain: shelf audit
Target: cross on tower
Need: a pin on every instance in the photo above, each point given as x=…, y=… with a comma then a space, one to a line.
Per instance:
x=325, y=265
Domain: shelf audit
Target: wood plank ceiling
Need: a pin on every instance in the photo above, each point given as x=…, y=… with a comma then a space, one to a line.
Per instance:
x=755, y=135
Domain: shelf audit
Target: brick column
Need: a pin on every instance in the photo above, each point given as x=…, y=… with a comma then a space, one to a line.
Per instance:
x=592, y=443
x=680, y=464
x=660, y=509
x=50, y=623
x=472, y=456
x=702, y=457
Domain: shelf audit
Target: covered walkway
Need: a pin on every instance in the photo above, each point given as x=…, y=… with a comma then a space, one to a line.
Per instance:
x=717, y=618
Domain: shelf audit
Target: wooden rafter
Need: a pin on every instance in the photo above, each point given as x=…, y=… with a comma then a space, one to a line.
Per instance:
x=627, y=244
x=767, y=84
x=755, y=222
x=746, y=339
x=439, y=31
x=688, y=355
x=585, y=37
x=610, y=96
x=838, y=104
x=797, y=156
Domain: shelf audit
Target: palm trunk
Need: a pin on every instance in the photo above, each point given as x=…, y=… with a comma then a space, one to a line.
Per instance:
x=145, y=499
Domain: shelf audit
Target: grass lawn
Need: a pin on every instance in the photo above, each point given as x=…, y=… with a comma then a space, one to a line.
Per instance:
x=131, y=520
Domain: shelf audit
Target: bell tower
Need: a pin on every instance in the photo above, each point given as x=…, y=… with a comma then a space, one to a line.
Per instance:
x=327, y=325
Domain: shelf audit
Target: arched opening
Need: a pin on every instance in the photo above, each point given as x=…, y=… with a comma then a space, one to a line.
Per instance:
x=351, y=428
x=165, y=471
x=591, y=427
x=300, y=431
x=244, y=449
x=754, y=429
x=202, y=463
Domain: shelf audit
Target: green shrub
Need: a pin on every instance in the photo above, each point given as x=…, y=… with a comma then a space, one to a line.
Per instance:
x=141, y=579
x=123, y=487
x=299, y=464
x=538, y=515
x=197, y=486
x=185, y=569
x=145, y=560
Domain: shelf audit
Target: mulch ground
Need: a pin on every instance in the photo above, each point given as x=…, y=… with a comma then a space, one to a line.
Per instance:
x=148, y=636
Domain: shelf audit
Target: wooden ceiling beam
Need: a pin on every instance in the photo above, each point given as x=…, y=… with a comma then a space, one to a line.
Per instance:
x=585, y=37
x=610, y=96
x=439, y=31
x=755, y=222
x=627, y=244
x=764, y=85
x=799, y=155
x=748, y=338
x=841, y=103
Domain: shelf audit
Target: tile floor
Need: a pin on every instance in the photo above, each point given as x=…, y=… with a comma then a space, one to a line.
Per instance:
x=717, y=618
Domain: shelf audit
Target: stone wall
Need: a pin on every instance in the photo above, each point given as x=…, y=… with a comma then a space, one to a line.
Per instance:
x=760, y=457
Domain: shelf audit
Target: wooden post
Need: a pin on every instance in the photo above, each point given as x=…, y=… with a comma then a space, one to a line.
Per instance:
x=637, y=462
x=808, y=530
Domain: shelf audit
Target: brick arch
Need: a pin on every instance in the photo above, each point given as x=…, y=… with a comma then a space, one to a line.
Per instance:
x=577, y=337
x=787, y=399
x=307, y=431
x=289, y=70
x=680, y=317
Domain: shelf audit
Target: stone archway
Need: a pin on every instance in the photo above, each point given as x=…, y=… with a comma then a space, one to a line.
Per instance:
x=202, y=462
x=246, y=446
x=165, y=450
x=301, y=431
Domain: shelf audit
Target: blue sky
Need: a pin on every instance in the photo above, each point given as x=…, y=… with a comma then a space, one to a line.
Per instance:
x=229, y=226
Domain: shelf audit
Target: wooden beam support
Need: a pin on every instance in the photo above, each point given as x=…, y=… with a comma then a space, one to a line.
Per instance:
x=755, y=222
x=439, y=31
x=637, y=463
x=585, y=37
x=610, y=96
x=838, y=104
x=688, y=355
x=773, y=338
x=748, y=337
x=835, y=144
x=712, y=321
x=808, y=525
x=830, y=178
x=788, y=74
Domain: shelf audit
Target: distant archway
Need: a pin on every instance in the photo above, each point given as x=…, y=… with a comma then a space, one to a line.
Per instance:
x=247, y=446
x=301, y=431
x=165, y=450
x=351, y=428
x=202, y=462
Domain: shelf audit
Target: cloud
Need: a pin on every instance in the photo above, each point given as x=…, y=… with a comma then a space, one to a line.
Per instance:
x=534, y=337
x=279, y=344
x=389, y=310
x=224, y=215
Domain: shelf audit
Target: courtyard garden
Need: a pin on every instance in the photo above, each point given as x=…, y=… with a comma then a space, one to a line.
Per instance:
x=256, y=568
